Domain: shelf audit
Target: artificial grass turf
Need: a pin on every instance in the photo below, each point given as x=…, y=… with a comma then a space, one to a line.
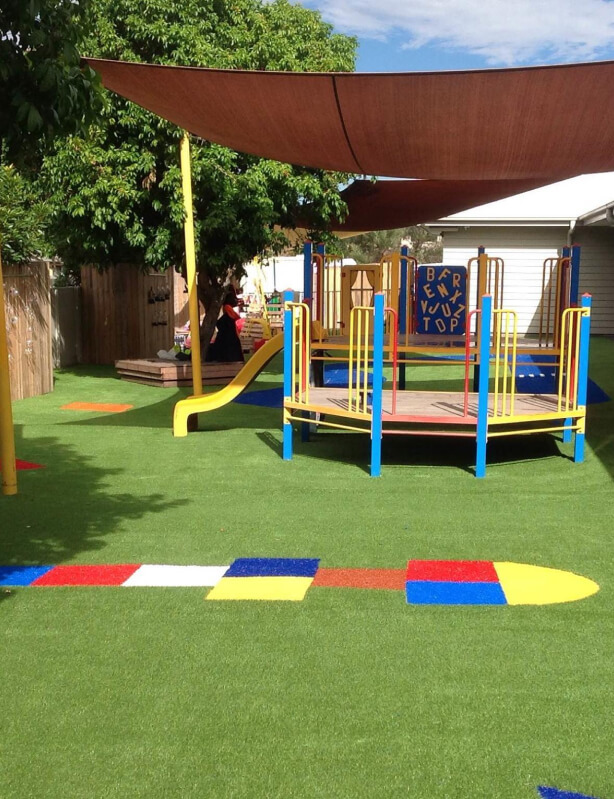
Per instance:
x=154, y=692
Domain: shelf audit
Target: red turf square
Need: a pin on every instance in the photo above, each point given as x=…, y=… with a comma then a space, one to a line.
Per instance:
x=452, y=571
x=87, y=575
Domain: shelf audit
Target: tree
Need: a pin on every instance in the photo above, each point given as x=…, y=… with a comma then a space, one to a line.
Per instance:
x=117, y=193
x=370, y=247
x=44, y=89
x=22, y=219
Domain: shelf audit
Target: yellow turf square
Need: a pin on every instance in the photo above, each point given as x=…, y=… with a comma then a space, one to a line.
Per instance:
x=288, y=589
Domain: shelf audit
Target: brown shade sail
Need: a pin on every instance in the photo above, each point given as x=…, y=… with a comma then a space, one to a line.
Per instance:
x=390, y=204
x=544, y=123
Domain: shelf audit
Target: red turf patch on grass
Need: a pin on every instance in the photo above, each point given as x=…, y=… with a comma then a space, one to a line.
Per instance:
x=452, y=571
x=87, y=575
x=386, y=579
x=22, y=465
x=105, y=407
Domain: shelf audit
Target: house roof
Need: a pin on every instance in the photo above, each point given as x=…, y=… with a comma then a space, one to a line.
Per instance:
x=581, y=197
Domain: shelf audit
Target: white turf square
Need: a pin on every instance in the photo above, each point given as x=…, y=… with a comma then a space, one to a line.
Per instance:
x=176, y=576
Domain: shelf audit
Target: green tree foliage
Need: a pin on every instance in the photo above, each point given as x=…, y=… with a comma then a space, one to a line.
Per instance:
x=22, y=218
x=44, y=90
x=117, y=193
x=369, y=247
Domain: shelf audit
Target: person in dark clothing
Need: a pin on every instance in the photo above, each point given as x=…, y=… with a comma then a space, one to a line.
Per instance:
x=227, y=345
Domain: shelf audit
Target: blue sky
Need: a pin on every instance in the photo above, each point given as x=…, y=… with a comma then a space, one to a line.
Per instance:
x=412, y=35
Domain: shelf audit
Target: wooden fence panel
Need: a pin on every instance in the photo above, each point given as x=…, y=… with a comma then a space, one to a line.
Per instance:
x=125, y=314
x=28, y=318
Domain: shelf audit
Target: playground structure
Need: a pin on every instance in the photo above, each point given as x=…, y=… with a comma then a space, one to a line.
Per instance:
x=374, y=315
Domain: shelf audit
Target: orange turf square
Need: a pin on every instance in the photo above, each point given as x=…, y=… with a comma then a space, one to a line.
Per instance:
x=387, y=579
x=452, y=571
x=87, y=575
x=104, y=407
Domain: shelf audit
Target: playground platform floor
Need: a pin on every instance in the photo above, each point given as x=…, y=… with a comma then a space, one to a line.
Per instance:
x=437, y=406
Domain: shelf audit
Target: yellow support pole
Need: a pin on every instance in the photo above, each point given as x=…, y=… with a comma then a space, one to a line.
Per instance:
x=7, y=431
x=190, y=262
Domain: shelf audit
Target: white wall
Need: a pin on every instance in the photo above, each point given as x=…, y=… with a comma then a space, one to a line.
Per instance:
x=285, y=272
x=524, y=249
x=597, y=274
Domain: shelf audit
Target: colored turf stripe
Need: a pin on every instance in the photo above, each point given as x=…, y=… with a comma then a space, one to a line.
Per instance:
x=22, y=575
x=386, y=579
x=268, y=589
x=24, y=465
x=440, y=593
x=176, y=576
x=554, y=793
x=452, y=571
x=273, y=567
x=87, y=575
x=524, y=584
x=104, y=407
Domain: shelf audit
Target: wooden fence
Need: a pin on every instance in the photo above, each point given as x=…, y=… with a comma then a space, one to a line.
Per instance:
x=28, y=319
x=125, y=314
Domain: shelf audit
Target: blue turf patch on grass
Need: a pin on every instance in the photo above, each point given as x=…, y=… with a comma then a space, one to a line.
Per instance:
x=426, y=592
x=554, y=793
x=21, y=575
x=266, y=398
x=533, y=379
x=273, y=567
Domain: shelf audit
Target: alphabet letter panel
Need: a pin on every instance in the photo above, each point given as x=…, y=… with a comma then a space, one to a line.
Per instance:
x=441, y=299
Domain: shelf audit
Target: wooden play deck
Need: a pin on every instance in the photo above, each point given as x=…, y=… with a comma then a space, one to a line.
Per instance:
x=166, y=373
x=430, y=407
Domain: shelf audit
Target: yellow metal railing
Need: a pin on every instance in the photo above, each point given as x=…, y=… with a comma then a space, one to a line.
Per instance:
x=569, y=358
x=505, y=346
x=301, y=351
x=358, y=360
x=326, y=302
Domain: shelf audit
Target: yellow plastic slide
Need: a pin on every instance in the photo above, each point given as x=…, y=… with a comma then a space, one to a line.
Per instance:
x=210, y=402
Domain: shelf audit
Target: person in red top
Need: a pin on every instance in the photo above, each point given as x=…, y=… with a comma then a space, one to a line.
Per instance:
x=227, y=345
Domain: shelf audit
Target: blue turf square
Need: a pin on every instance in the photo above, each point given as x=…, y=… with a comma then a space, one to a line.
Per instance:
x=427, y=592
x=273, y=567
x=21, y=575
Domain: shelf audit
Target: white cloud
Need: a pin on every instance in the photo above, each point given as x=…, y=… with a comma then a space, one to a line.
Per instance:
x=501, y=31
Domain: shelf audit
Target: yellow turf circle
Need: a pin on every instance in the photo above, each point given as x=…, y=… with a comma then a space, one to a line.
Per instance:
x=537, y=585
x=288, y=589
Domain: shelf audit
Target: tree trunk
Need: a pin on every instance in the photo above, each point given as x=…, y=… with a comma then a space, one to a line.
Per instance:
x=211, y=295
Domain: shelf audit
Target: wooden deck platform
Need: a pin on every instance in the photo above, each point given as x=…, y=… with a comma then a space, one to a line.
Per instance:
x=166, y=373
x=434, y=407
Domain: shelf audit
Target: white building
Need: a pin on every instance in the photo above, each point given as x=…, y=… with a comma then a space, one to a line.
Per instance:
x=526, y=229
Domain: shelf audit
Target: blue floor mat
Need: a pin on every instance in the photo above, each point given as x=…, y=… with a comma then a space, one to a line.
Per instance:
x=533, y=379
x=336, y=376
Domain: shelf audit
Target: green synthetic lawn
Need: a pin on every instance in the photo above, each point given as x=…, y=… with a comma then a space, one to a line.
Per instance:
x=153, y=692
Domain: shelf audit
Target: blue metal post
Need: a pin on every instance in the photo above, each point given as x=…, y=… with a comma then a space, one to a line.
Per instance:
x=585, y=331
x=287, y=425
x=476, y=367
x=482, y=427
x=574, y=284
x=378, y=379
x=403, y=309
x=307, y=271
